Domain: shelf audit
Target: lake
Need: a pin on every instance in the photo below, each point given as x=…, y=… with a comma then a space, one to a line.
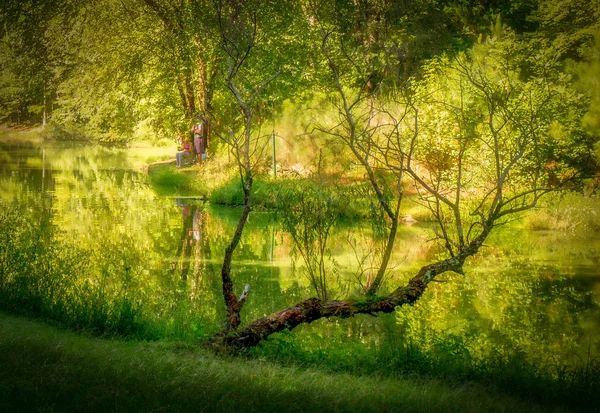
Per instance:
x=122, y=250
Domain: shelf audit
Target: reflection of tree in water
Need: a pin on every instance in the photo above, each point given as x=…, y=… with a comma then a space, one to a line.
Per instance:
x=26, y=172
x=196, y=276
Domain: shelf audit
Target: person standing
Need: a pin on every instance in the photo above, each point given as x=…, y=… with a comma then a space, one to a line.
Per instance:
x=198, y=131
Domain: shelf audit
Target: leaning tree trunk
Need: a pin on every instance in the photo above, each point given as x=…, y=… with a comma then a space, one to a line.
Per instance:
x=232, y=302
x=314, y=309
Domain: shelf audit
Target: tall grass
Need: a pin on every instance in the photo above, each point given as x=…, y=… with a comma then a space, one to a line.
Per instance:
x=396, y=357
x=566, y=212
x=44, y=369
x=167, y=181
x=277, y=194
x=20, y=136
x=96, y=290
x=264, y=193
x=43, y=278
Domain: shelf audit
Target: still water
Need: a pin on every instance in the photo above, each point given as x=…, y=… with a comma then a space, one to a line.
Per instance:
x=535, y=293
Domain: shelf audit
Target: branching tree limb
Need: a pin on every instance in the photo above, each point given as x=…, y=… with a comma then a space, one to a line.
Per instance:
x=238, y=32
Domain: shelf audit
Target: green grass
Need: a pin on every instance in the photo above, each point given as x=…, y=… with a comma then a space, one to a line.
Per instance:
x=43, y=368
x=16, y=136
x=264, y=193
x=278, y=194
x=224, y=188
x=566, y=212
x=168, y=181
x=394, y=357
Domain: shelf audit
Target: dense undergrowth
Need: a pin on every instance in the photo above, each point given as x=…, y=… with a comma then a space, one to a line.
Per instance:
x=566, y=212
x=38, y=278
x=44, y=274
x=352, y=201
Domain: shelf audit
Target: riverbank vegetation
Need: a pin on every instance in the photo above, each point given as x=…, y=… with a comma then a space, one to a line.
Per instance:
x=574, y=212
x=334, y=115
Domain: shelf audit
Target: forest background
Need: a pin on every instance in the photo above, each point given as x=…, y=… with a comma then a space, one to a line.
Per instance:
x=119, y=71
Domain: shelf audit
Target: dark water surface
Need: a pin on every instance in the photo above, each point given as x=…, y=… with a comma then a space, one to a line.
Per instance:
x=532, y=293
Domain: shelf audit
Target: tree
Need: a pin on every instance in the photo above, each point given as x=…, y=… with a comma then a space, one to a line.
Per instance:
x=569, y=25
x=473, y=137
x=122, y=66
x=366, y=66
x=27, y=82
x=190, y=40
x=240, y=29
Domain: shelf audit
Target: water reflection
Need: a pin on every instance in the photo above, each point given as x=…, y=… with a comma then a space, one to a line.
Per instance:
x=535, y=293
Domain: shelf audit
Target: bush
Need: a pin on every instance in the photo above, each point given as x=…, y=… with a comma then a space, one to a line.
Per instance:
x=65, y=132
x=276, y=194
x=264, y=193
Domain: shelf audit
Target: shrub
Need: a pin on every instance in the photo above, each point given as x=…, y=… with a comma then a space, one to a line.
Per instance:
x=65, y=132
x=264, y=193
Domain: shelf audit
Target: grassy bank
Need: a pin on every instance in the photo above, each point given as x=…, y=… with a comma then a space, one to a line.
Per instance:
x=43, y=368
x=568, y=211
x=395, y=356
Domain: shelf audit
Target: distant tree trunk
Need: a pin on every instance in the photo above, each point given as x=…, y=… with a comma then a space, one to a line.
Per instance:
x=44, y=113
x=190, y=109
x=203, y=99
x=205, y=94
x=182, y=95
x=203, y=81
x=187, y=95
